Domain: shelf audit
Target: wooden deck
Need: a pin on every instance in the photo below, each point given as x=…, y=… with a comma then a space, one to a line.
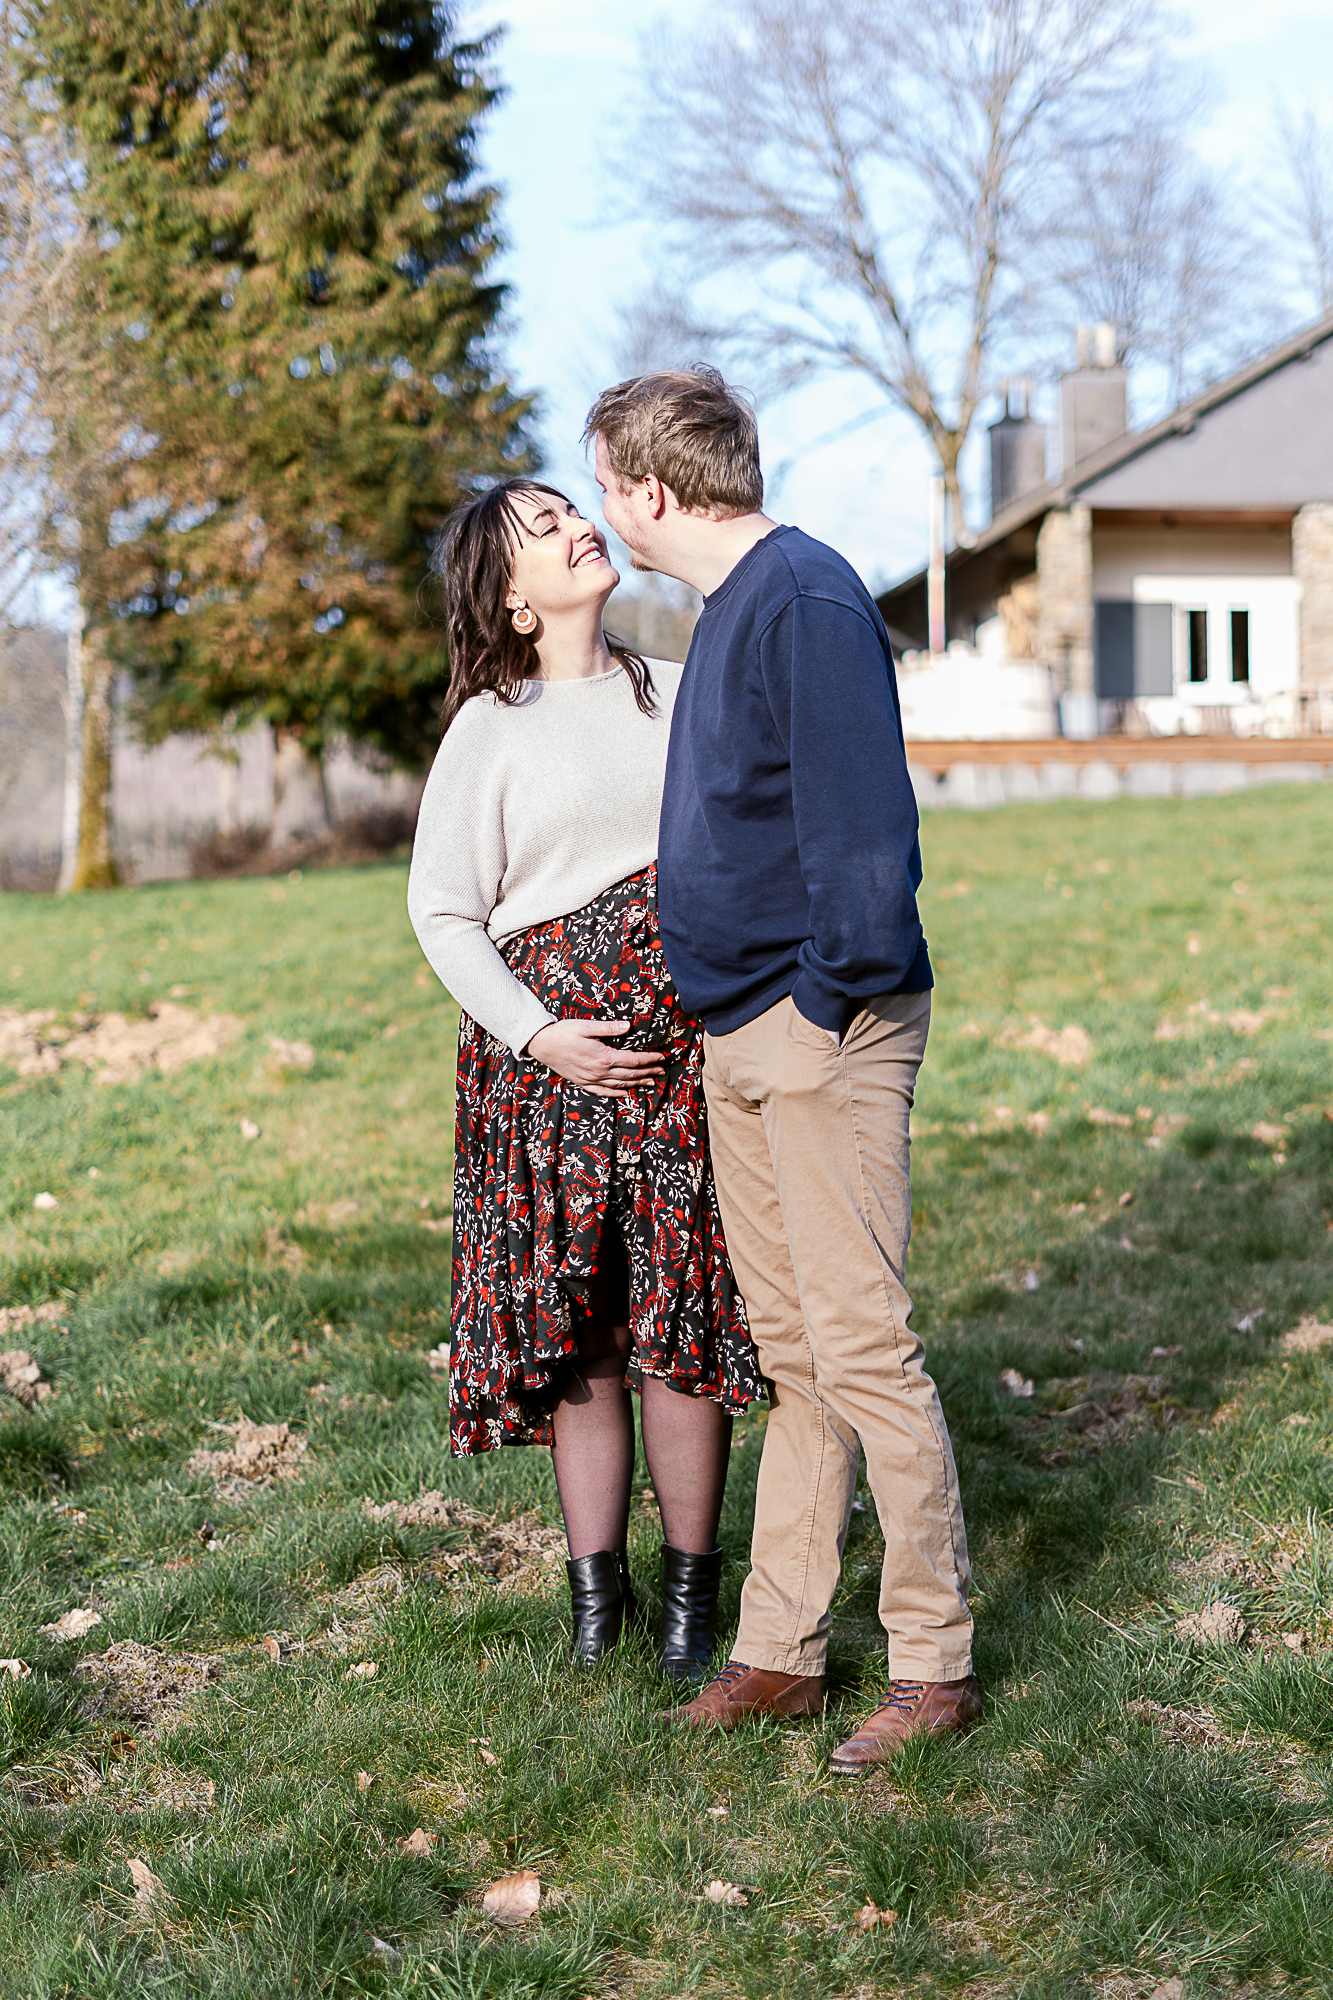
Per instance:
x=1121, y=751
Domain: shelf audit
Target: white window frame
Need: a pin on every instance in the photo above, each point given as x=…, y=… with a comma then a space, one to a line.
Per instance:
x=1273, y=603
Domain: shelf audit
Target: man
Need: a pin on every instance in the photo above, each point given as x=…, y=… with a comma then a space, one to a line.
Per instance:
x=787, y=874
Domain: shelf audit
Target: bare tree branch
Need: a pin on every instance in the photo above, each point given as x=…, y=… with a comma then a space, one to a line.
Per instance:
x=1300, y=200
x=1149, y=242
x=886, y=171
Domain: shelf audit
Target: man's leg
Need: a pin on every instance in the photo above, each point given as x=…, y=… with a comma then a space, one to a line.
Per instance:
x=835, y=1124
x=807, y=1475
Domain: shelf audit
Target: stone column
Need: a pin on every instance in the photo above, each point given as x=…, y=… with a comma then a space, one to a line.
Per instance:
x=1312, y=567
x=1063, y=638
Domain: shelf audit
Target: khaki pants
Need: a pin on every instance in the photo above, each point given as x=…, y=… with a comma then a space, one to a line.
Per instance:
x=810, y=1150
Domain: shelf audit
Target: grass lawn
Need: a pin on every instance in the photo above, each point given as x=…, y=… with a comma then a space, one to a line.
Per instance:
x=1136, y=1808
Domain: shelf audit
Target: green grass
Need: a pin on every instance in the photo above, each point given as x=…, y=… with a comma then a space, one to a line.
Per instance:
x=1130, y=1810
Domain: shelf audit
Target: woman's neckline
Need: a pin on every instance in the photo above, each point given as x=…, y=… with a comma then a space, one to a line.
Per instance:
x=579, y=680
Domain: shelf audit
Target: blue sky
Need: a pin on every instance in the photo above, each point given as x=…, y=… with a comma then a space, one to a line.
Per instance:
x=568, y=70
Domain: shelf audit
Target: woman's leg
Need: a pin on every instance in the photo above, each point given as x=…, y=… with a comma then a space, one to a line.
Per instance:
x=593, y=1421
x=686, y=1440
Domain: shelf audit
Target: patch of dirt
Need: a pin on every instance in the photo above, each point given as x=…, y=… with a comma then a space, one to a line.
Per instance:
x=290, y=1055
x=142, y=1687
x=158, y=1790
x=20, y=1373
x=327, y=1214
x=279, y=1254
x=1086, y=1417
x=1307, y=1338
x=1241, y=1021
x=1199, y=1732
x=1069, y=1046
x=1217, y=1626
x=517, y=1555
x=115, y=1048
x=263, y=1456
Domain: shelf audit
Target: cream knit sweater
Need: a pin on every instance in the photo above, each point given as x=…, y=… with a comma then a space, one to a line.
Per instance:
x=529, y=812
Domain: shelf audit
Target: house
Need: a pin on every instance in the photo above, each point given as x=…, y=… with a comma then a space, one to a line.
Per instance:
x=1172, y=580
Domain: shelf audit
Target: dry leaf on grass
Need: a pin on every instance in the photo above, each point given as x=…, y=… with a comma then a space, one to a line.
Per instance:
x=870, y=1917
x=514, y=1898
x=1269, y=1135
x=719, y=1812
x=1097, y=1115
x=420, y=1843
x=147, y=1888
x=382, y=1953
x=72, y=1625
x=1307, y=1338
x=273, y=1649
x=249, y=1130
x=364, y=1670
x=731, y=1895
x=437, y=1360
x=1170, y=1989
x=364, y=1781
x=45, y=1200
x=17, y=1670
x=1016, y=1384
x=435, y=1228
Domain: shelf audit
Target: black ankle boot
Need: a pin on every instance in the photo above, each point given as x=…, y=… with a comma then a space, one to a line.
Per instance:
x=598, y=1586
x=689, y=1611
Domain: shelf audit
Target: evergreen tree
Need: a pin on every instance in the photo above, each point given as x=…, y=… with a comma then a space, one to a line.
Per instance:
x=289, y=306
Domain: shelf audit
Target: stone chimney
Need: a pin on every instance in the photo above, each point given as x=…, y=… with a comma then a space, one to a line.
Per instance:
x=1094, y=400
x=1017, y=452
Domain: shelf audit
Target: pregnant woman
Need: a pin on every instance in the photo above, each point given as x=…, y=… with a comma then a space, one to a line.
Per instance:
x=588, y=1250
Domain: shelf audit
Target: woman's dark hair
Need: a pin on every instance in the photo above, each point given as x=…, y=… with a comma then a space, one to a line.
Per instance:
x=475, y=558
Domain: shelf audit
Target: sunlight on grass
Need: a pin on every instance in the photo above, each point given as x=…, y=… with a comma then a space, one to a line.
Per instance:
x=1129, y=1230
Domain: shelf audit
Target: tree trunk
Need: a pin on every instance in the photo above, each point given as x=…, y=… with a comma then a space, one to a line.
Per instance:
x=69, y=830
x=93, y=866
x=300, y=801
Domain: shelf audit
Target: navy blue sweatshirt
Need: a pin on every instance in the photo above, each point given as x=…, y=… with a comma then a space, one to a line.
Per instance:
x=788, y=859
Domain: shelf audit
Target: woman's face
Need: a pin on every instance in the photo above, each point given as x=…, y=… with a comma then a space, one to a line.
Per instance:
x=560, y=561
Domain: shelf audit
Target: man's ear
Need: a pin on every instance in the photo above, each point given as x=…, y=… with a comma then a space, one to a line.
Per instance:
x=656, y=495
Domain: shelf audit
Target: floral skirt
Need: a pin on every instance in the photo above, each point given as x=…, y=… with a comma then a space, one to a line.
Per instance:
x=541, y=1167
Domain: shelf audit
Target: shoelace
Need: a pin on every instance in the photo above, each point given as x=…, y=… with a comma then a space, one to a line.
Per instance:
x=729, y=1674
x=902, y=1694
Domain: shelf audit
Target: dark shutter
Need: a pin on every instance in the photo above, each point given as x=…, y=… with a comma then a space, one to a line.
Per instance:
x=1113, y=645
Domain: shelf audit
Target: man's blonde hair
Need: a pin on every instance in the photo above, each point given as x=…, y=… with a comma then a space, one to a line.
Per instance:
x=688, y=428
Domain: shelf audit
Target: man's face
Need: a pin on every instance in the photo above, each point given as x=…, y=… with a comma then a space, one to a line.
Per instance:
x=624, y=507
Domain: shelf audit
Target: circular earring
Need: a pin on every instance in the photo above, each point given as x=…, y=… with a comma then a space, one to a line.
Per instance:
x=524, y=619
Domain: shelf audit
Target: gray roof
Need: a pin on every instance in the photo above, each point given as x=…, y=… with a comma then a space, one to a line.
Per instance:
x=1262, y=439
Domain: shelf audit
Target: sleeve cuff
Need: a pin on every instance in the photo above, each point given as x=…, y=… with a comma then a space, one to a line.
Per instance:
x=529, y=1021
x=825, y=1010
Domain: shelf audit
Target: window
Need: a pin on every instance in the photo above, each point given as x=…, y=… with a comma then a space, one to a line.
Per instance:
x=1240, y=645
x=1198, y=626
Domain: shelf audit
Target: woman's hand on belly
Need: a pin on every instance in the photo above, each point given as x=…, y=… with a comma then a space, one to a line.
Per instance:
x=585, y=1054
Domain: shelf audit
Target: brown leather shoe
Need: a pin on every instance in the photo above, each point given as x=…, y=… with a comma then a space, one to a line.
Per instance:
x=739, y=1691
x=909, y=1709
